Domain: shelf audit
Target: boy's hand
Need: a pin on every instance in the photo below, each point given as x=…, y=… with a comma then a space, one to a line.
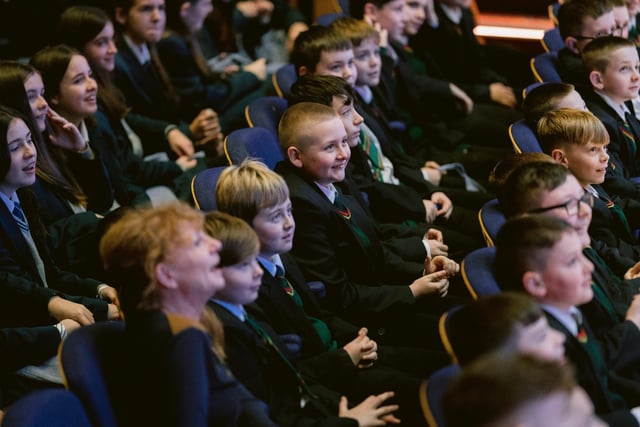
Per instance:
x=433, y=283
x=258, y=68
x=369, y=412
x=186, y=162
x=633, y=312
x=206, y=125
x=462, y=96
x=445, y=206
x=633, y=272
x=502, y=94
x=434, y=234
x=61, y=309
x=441, y=263
x=438, y=248
x=433, y=175
x=362, y=350
x=180, y=143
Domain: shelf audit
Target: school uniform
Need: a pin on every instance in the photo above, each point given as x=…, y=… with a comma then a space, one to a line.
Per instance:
x=571, y=70
x=23, y=294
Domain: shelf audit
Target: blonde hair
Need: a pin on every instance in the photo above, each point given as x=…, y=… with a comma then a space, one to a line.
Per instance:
x=298, y=121
x=244, y=189
x=356, y=30
x=569, y=126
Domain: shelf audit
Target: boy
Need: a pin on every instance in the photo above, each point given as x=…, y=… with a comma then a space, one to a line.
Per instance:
x=500, y=390
x=542, y=256
x=578, y=141
x=336, y=242
x=612, y=64
x=580, y=22
x=388, y=201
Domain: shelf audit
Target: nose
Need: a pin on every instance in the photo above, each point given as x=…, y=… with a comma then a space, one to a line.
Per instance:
x=29, y=151
x=41, y=103
x=155, y=15
x=588, y=265
x=112, y=47
x=342, y=152
x=357, y=118
x=288, y=221
x=604, y=157
x=257, y=270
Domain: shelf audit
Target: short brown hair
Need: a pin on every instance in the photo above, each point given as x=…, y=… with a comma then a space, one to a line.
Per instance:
x=572, y=13
x=309, y=45
x=239, y=241
x=544, y=98
x=298, y=119
x=597, y=54
x=355, y=30
x=565, y=126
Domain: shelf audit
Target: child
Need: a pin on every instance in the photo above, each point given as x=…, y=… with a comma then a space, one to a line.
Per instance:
x=337, y=240
x=517, y=390
x=612, y=64
x=35, y=291
x=542, y=256
x=275, y=380
x=580, y=22
x=578, y=141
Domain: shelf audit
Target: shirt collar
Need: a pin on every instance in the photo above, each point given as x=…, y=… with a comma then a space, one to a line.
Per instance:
x=236, y=310
x=567, y=318
x=9, y=201
x=453, y=13
x=270, y=264
x=621, y=110
x=141, y=52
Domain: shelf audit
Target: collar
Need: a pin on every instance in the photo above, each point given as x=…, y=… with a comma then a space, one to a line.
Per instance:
x=621, y=110
x=236, y=310
x=567, y=318
x=365, y=93
x=329, y=191
x=591, y=189
x=141, y=52
x=9, y=201
x=453, y=13
x=270, y=264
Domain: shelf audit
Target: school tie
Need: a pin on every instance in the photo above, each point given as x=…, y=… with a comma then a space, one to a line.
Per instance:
x=319, y=326
x=344, y=211
x=21, y=221
x=373, y=154
x=268, y=342
x=617, y=212
x=628, y=135
x=599, y=293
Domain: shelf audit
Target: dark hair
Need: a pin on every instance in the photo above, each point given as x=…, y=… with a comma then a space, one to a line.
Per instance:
x=597, y=54
x=572, y=13
x=542, y=99
x=51, y=161
x=356, y=7
x=320, y=89
x=501, y=171
x=496, y=386
x=239, y=240
x=526, y=185
x=7, y=115
x=522, y=245
x=77, y=27
x=309, y=45
x=489, y=324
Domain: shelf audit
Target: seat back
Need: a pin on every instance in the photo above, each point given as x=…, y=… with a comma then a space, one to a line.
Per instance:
x=491, y=219
x=432, y=392
x=478, y=272
x=544, y=67
x=552, y=40
x=257, y=142
x=523, y=138
x=283, y=79
x=203, y=188
x=327, y=19
x=266, y=112
x=87, y=357
x=49, y=407
x=552, y=10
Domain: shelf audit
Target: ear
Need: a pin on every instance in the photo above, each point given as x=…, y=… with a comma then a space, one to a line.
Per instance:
x=184, y=7
x=303, y=71
x=120, y=16
x=533, y=284
x=559, y=156
x=293, y=154
x=572, y=44
x=370, y=11
x=164, y=276
x=595, y=77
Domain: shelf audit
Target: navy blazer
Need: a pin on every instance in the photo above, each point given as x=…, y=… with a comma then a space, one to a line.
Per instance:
x=23, y=298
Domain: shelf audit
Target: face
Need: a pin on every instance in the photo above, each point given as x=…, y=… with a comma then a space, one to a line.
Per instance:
x=587, y=162
x=325, y=159
x=145, y=21
x=195, y=14
x=368, y=63
x=77, y=97
x=391, y=18
x=415, y=14
x=275, y=227
x=35, y=94
x=569, y=190
x=193, y=269
x=456, y=3
x=573, y=100
x=621, y=79
x=339, y=64
x=633, y=6
x=562, y=409
x=350, y=119
x=621, y=16
x=22, y=155
x=592, y=28
x=566, y=280
x=102, y=50
x=241, y=282
x=540, y=340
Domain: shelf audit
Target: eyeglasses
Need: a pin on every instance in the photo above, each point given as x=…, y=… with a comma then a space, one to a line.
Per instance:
x=611, y=32
x=572, y=206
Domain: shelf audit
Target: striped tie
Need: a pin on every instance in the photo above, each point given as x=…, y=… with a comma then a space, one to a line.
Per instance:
x=630, y=139
x=19, y=217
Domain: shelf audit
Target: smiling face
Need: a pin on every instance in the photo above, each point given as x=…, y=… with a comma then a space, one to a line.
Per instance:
x=349, y=117
x=102, y=49
x=338, y=63
x=560, y=408
x=368, y=63
x=587, y=162
x=34, y=88
x=77, y=97
x=621, y=79
x=390, y=16
x=22, y=155
x=242, y=282
x=415, y=15
x=325, y=158
x=275, y=227
x=145, y=21
x=193, y=269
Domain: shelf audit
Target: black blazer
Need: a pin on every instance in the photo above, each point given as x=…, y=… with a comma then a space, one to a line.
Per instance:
x=23, y=298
